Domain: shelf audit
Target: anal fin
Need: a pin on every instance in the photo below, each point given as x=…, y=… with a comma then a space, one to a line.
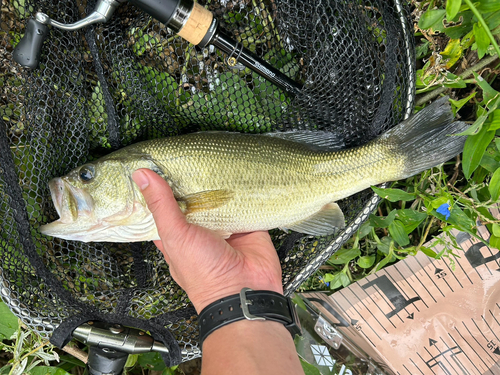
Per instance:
x=324, y=222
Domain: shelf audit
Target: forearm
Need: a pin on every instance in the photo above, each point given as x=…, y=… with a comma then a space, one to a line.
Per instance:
x=250, y=347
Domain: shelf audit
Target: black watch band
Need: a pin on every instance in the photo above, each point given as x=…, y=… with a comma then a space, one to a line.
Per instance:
x=250, y=305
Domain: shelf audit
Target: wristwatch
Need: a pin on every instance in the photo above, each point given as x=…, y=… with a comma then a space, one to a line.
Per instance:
x=250, y=305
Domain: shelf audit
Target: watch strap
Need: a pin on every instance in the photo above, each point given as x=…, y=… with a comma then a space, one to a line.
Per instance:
x=250, y=305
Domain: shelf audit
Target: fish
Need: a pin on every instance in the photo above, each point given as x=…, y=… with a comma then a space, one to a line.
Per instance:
x=237, y=183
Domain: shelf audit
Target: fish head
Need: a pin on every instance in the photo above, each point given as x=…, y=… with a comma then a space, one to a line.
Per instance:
x=100, y=202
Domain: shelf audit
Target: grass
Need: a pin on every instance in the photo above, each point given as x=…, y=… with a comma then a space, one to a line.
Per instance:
x=457, y=55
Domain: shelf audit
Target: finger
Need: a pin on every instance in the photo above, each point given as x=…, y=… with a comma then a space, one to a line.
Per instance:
x=168, y=217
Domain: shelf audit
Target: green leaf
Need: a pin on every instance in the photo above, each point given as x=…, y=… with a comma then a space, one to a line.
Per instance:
x=429, y=252
x=495, y=242
x=487, y=6
x=458, y=104
x=364, y=229
x=340, y=279
x=398, y=233
x=453, y=52
x=435, y=203
x=482, y=39
x=410, y=218
x=382, y=222
x=474, y=149
x=385, y=245
x=452, y=8
x=496, y=230
x=393, y=195
x=308, y=368
x=170, y=370
x=152, y=361
x=8, y=322
x=494, y=120
x=432, y=18
x=476, y=126
x=366, y=261
x=489, y=163
x=131, y=360
x=494, y=186
x=48, y=370
x=344, y=255
x=488, y=92
x=383, y=263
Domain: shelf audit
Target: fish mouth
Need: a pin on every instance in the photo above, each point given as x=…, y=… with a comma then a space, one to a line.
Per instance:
x=71, y=203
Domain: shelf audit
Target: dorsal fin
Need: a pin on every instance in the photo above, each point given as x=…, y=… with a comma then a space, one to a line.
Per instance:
x=317, y=140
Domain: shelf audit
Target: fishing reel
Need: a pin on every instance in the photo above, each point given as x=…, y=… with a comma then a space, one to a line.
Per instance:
x=186, y=18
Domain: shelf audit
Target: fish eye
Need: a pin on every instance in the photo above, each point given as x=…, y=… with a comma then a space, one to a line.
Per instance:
x=87, y=173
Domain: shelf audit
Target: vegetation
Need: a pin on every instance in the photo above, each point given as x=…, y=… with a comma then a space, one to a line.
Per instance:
x=457, y=55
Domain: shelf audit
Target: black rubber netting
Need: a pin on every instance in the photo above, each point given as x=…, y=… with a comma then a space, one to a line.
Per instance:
x=113, y=84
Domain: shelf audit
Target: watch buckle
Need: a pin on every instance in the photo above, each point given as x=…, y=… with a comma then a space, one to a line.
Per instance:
x=245, y=303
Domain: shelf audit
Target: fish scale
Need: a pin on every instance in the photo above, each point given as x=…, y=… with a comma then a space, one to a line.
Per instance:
x=234, y=183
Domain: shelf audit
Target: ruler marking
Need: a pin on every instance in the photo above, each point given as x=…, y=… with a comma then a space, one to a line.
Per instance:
x=423, y=360
x=414, y=364
x=406, y=368
x=414, y=291
x=400, y=290
x=454, y=356
x=474, y=337
x=474, y=350
x=485, y=338
x=376, y=304
x=488, y=268
x=446, y=281
x=465, y=273
x=448, y=349
x=494, y=334
x=361, y=317
x=453, y=273
x=438, y=288
x=493, y=315
x=493, y=255
x=472, y=363
x=440, y=362
x=421, y=283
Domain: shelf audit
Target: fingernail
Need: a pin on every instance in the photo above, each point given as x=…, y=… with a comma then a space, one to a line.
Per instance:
x=141, y=179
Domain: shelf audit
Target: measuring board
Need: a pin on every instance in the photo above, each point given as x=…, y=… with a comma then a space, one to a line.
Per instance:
x=421, y=317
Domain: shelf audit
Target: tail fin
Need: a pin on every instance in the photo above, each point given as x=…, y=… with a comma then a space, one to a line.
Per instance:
x=425, y=139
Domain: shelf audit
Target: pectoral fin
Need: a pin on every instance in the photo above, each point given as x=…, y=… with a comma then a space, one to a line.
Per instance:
x=205, y=200
x=325, y=222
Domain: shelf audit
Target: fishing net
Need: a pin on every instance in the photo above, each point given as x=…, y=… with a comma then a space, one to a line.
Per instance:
x=109, y=85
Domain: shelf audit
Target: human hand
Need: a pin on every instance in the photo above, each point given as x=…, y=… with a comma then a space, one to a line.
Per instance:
x=205, y=265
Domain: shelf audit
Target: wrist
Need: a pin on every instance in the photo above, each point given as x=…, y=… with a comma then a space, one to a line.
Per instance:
x=202, y=299
x=249, y=305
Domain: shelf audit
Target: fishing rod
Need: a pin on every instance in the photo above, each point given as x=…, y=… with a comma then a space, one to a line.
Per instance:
x=186, y=18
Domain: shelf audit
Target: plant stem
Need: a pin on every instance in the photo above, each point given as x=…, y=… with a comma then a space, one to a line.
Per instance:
x=483, y=23
x=480, y=65
x=26, y=356
x=422, y=239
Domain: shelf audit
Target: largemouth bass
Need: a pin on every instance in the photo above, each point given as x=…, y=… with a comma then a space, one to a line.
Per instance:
x=234, y=183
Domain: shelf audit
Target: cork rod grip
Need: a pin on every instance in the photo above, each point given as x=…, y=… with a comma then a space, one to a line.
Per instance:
x=197, y=25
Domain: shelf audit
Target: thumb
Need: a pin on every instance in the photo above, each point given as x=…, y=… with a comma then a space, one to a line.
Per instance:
x=161, y=202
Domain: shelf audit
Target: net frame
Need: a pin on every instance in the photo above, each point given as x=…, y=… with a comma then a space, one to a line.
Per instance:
x=35, y=281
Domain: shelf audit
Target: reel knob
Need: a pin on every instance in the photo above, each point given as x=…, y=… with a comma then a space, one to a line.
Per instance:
x=27, y=52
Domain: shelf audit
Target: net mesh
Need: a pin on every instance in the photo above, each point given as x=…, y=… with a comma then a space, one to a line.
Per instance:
x=110, y=85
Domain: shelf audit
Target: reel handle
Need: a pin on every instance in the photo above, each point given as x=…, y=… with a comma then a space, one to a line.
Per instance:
x=27, y=52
